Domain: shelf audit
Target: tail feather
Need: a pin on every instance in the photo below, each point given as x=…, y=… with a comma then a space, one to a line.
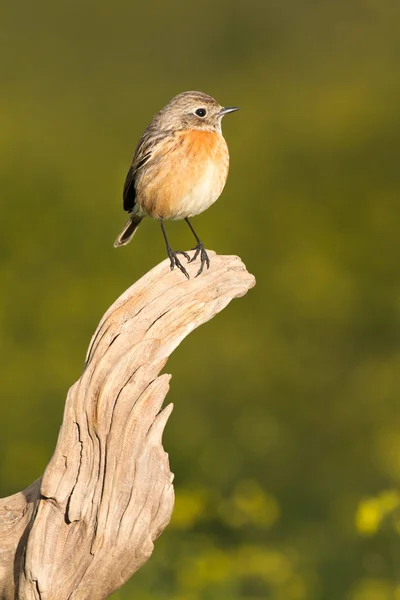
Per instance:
x=128, y=231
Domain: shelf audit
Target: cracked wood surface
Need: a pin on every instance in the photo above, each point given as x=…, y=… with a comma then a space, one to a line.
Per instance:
x=89, y=523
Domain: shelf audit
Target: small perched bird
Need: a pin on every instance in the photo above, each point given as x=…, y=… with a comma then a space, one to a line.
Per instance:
x=178, y=170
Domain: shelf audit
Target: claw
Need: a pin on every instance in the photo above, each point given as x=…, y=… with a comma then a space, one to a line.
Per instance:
x=185, y=254
x=199, y=249
x=195, y=255
x=175, y=262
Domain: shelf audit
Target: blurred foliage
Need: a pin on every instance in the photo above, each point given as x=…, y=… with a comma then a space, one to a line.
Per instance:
x=372, y=512
x=285, y=439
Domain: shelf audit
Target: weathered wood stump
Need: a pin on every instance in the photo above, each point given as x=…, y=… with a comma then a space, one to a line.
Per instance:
x=89, y=523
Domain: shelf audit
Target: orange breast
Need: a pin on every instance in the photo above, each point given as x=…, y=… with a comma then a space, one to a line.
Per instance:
x=188, y=177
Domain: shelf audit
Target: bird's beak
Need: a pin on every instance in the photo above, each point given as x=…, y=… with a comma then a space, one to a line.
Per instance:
x=227, y=109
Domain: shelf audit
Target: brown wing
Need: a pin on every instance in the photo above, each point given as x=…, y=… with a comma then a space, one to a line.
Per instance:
x=151, y=146
x=129, y=187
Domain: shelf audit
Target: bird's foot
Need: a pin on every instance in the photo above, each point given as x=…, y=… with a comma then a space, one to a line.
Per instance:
x=199, y=249
x=175, y=262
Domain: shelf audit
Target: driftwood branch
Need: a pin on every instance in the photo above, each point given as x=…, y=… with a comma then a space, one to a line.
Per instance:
x=89, y=523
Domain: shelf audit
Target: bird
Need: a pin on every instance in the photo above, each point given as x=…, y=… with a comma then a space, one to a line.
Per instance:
x=179, y=169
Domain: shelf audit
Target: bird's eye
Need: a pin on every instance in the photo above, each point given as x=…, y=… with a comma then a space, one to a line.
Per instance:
x=201, y=112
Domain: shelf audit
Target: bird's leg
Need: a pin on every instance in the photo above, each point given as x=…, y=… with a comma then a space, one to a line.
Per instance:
x=172, y=254
x=199, y=249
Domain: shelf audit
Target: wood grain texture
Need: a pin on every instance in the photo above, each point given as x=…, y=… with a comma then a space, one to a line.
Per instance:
x=89, y=523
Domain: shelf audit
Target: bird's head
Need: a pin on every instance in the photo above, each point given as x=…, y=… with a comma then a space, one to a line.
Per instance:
x=193, y=110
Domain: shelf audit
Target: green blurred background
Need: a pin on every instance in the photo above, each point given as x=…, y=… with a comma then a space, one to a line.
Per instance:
x=285, y=439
